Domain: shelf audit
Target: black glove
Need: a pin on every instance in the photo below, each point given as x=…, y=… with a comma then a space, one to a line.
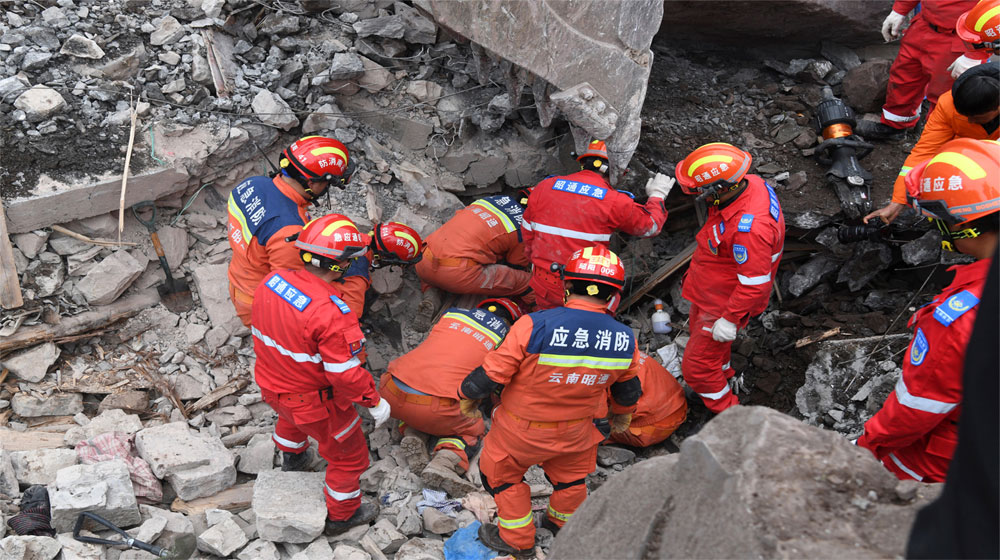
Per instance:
x=603, y=426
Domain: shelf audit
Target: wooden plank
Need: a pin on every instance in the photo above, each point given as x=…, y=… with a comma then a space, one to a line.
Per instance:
x=10, y=286
x=208, y=400
x=661, y=274
x=236, y=498
x=11, y=440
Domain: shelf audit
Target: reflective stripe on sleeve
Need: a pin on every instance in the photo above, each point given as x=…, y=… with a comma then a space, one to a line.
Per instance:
x=921, y=403
x=289, y=443
x=715, y=396
x=301, y=357
x=776, y=256
x=754, y=280
x=342, y=496
x=563, y=232
x=903, y=171
x=341, y=367
x=904, y=468
x=516, y=523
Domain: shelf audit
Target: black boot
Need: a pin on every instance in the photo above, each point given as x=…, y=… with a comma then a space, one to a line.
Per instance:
x=295, y=461
x=363, y=516
x=489, y=534
x=874, y=130
x=552, y=527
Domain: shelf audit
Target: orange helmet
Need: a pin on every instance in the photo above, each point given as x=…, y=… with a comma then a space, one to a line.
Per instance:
x=595, y=264
x=501, y=305
x=713, y=163
x=318, y=158
x=979, y=28
x=596, y=148
x=329, y=241
x=396, y=243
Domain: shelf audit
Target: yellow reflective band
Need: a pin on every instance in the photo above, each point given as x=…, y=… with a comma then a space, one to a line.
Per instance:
x=408, y=237
x=508, y=225
x=329, y=150
x=463, y=319
x=452, y=441
x=964, y=163
x=516, y=523
x=981, y=22
x=235, y=212
x=904, y=170
x=336, y=225
x=564, y=517
x=708, y=159
x=592, y=362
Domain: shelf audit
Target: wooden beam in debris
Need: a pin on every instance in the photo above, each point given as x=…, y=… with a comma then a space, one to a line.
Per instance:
x=661, y=274
x=219, y=48
x=96, y=318
x=236, y=498
x=10, y=287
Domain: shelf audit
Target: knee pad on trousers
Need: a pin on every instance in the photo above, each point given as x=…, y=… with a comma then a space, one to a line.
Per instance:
x=565, y=485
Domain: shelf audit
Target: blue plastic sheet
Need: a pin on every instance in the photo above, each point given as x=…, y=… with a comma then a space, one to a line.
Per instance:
x=464, y=544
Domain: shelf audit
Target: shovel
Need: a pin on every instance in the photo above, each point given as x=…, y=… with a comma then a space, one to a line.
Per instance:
x=175, y=294
x=181, y=550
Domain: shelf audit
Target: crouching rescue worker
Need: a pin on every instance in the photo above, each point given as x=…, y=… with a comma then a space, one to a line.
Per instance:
x=916, y=431
x=392, y=244
x=570, y=212
x=659, y=412
x=265, y=211
x=729, y=280
x=307, y=342
x=421, y=385
x=555, y=366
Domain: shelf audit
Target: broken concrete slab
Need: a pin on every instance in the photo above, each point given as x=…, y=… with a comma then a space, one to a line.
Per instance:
x=386, y=536
x=103, y=488
x=212, y=282
x=194, y=464
x=290, y=506
x=40, y=466
x=317, y=550
x=258, y=456
x=28, y=405
x=174, y=241
x=419, y=548
x=438, y=523
x=113, y=420
x=112, y=276
x=54, y=202
x=222, y=539
x=29, y=547
x=32, y=364
x=272, y=110
x=259, y=550
x=32, y=243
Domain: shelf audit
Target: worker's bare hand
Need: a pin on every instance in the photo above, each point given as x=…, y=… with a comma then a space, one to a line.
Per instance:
x=887, y=214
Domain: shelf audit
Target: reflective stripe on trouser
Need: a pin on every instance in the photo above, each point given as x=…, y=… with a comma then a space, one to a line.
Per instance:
x=566, y=454
x=346, y=459
x=442, y=418
x=705, y=365
x=919, y=70
x=548, y=288
x=493, y=279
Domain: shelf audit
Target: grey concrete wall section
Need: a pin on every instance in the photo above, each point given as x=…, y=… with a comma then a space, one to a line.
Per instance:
x=86, y=200
x=603, y=44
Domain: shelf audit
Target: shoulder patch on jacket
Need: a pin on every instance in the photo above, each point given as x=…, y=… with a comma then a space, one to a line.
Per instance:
x=918, y=350
x=740, y=254
x=722, y=227
x=583, y=189
x=340, y=304
x=746, y=222
x=774, y=207
x=292, y=295
x=954, y=307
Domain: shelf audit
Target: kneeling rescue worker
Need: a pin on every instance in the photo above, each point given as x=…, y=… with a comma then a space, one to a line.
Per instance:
x=420, y=385
x=659, y=412
x=915, y=432
x=265, y=211
x=556, y=366
x=307, y=342
x=738, y=252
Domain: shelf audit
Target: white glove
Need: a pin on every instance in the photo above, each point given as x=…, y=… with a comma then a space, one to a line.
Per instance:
x=738, y=385
x=659, y=186
x=723, y=331
x=891, y=26
x=380, y=412
x=962, y=64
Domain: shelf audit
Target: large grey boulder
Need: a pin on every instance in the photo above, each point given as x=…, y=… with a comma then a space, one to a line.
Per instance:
x=290, y=506
x=195, y=464
x=754, y=483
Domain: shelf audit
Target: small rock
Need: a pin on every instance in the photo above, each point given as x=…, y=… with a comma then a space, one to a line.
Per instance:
x=106, y=281
x=259, y=550
x=438, y=523
x=421, y=549
x=385, y=536
x=273, y=110
x=608, y=455
x=222, y=539
x=32, y=364
x=258, y=456
x=169, y=31
x=39, y=103
x=317, y=550
x=29, y=548
x=82, y=47
x=906, y=490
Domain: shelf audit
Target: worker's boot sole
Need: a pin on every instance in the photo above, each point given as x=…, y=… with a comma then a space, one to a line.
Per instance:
x=415, y=450
x=489, y=535
x=442, y=473
x=293, y=462
x=363, y=516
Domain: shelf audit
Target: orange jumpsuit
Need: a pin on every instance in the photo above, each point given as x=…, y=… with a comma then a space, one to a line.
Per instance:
x=422, y=385
x=263, y=212
x=944, y=124
x=660, y=410
x=556, y=366
x=464, y=255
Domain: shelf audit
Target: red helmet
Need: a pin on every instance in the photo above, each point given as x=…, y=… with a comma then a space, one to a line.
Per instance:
x=494, y=305
x=596, y=148
x=717, y=162
x=396, y=243
x=979, y=28
x=329, y=241
x=958, y=185
x=318, y=158
x=595, y=264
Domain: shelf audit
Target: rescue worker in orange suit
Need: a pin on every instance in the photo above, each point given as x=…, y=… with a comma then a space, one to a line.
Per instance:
x=970, y=110
x=929, y=52
x=555, y=367
x=472, y=252
x=915, y=432
x=661, y=409
x=307, y=341
x=738, y=251
x=420, y=386
x=265, y=211
x=570, y=212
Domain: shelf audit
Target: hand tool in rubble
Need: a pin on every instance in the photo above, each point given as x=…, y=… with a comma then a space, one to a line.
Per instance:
x=175, y=294
x=841, y=149
x=182, y=549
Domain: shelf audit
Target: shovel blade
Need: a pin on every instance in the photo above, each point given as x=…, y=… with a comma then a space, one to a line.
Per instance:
x=177, y=300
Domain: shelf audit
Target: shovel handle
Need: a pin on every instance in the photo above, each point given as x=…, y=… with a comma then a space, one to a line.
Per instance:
x=151, y=223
